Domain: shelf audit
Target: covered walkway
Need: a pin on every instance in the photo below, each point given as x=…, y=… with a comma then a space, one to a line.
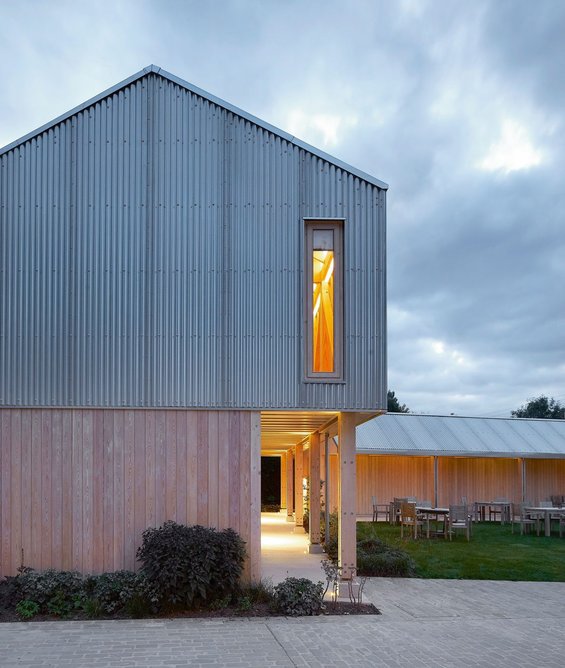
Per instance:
x=284, y=551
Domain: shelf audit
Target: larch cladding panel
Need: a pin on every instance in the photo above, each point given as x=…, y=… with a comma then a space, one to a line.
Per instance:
x=479, y=479
x=78, y=487
x=152, y=254
x=544, y=478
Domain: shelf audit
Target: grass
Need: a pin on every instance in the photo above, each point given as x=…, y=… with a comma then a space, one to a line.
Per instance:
x=493, y=553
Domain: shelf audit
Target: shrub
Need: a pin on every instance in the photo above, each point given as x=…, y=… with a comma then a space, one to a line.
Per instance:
x=298, y=596
x=330, y=545
x=56, y=592
x=109, y=593
x=27, y=609
x=260, y=592
x=376, y=558
x=189, y=566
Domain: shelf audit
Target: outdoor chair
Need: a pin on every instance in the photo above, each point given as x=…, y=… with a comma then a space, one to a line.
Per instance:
x=395, y=510
x=409, y=518
x=519, y=516
x=459, y=519
x=383, y=508
x=493, y=511
x=561, y=525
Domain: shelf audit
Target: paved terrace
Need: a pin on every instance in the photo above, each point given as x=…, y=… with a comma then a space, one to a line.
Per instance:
x=430, y=623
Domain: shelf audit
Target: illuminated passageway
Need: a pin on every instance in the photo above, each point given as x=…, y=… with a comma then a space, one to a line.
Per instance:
x=284, y=551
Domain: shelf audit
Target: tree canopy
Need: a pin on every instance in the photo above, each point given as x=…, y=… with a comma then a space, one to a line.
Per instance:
x=541, y=407
x=393, y=405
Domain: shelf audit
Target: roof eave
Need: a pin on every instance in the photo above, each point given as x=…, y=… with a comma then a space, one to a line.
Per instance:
x=462, y=453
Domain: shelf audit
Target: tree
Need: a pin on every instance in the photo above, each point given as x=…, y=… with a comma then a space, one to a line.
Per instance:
x=541, y=407
x=393, y=405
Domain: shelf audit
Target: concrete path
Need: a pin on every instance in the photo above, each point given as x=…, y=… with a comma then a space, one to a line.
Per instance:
x=284, y=551
x=425, y=623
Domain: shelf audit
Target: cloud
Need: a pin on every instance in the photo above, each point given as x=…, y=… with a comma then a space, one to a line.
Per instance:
x=513, y=151
x=458, y=106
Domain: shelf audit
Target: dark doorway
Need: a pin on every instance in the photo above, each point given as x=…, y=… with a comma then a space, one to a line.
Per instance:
x=270, y=484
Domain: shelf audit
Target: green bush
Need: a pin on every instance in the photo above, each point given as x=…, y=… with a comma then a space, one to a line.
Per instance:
x=298, y=596
x=27, y=609
x=109, y=593
x=56, y=592
x=191, y=566
x=375, y=558
x=330, y=545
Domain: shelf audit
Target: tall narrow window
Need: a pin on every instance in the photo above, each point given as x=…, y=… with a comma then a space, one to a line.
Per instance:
x=324, y=320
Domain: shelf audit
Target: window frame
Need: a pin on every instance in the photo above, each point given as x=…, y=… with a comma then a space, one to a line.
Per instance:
x=338, y=227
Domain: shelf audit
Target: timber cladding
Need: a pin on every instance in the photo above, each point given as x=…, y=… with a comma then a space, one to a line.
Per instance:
x=79, y=486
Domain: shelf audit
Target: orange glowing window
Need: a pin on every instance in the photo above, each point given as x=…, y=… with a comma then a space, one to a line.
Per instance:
x=323, y=241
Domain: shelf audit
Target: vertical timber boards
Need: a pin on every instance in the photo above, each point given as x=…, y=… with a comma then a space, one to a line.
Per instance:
x=544, y=478
x=79, y=486
x=479, y=479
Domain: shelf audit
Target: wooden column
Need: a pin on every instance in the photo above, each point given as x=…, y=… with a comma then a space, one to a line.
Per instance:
x=254, y=540
x=283, y=481
x=298, y=474
x=289, y=486
x=314, y=455
x=347, y=497
x=435, y=482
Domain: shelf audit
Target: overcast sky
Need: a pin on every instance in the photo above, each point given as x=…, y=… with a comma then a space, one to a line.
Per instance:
x=458, y=106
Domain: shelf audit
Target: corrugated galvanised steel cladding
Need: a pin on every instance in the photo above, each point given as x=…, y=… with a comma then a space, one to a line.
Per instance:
x=152, y=254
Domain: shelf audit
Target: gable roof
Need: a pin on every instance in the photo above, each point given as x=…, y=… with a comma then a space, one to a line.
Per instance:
x=409, y=434
x=212, y=98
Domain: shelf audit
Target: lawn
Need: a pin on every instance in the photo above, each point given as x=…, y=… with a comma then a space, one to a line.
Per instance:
x=493, y=553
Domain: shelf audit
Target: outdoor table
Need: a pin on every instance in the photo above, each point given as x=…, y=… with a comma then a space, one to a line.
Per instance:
x=481, y=506
x=547, y=512
x=427, y=512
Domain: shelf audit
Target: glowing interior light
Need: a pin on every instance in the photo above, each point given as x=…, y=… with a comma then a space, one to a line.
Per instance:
x=323, y=311
x=317, y=305
x=329, y=272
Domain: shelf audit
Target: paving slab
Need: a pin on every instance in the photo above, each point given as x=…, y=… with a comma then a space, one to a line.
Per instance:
x=425, y=623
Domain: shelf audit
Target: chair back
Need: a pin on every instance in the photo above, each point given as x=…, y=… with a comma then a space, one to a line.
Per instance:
x=517, y=511
x=408, y=511
x=458, y=514
x=425, y=504
x=545, y=504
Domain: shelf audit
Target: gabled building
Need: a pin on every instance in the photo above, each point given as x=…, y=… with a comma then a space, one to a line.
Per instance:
x=182, y=287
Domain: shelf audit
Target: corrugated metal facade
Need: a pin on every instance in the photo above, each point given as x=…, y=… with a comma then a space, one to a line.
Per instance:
x=151, y=249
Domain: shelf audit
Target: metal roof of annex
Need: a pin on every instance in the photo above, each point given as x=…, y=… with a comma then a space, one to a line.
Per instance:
x=410, y=434
x=212, y=98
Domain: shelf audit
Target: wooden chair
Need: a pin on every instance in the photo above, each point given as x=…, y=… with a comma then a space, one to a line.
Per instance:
x=459, y=518
x=493, y=511
x=519, y=516
x=409, y=518
x=395, y=510
x=383, y=508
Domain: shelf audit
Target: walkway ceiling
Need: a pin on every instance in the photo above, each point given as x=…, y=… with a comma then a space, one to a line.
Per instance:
x=281, y=430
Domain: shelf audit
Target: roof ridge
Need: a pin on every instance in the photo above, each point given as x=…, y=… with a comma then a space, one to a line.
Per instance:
x=155, y=69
